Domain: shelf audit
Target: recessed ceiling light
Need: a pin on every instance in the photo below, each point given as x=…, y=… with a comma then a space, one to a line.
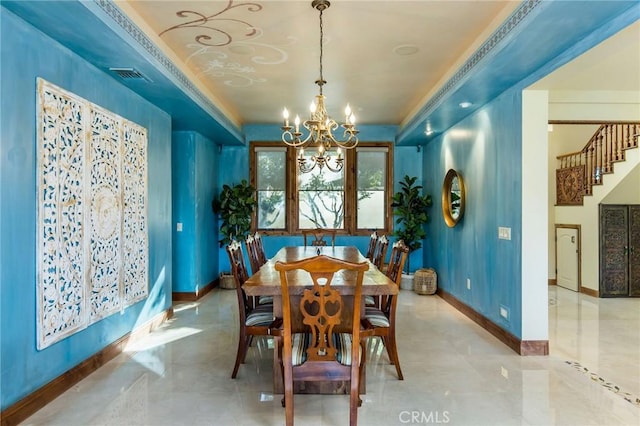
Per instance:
x=465, y=104
x=428, y=130
x=406, y=49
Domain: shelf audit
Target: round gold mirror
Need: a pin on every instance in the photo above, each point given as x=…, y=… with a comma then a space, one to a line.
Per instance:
x=453, y=198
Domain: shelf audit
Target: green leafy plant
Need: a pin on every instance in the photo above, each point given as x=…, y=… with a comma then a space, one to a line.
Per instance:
x=410, y=208
x=235, y=206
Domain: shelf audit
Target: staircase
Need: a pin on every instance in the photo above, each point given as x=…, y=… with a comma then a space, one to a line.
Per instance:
x=579, y=171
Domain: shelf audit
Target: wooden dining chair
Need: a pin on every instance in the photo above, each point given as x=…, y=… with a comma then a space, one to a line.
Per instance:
x=255, y=319
x=380, y=320
x=257, y=258
x=325, y=351
x=255, y=252
x=380, y=253
x=373, y=243
x=316, y=237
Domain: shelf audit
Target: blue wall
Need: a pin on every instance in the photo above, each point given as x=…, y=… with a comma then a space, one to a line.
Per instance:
x=234, y=166
x=486, y=149
x=195, y=249
x=25, y=55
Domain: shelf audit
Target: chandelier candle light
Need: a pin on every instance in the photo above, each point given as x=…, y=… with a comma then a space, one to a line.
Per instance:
x=320, y=125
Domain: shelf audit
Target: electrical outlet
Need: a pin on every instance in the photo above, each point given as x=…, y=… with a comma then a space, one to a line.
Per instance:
x=468, y=283
x=504, y=372
x=504, y=233
x=179, y=227
x=504, y=312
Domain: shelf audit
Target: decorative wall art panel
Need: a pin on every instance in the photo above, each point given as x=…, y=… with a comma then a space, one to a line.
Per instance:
x=92, y=218
x=570, y=186
x=134, y=226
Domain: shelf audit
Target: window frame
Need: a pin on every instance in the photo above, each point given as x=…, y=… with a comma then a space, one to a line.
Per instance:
x=350, y=179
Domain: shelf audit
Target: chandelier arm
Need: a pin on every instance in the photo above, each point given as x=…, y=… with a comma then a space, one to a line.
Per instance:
x=339, y=165
x=349, y=142
x=293, y=139
x=302, y=165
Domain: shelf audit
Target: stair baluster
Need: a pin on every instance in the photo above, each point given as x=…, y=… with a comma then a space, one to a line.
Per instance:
x=606, y=146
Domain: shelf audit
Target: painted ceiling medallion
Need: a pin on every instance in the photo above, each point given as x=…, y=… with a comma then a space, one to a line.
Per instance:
x=214, y=35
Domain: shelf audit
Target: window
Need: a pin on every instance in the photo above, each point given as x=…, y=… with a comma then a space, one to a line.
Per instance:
x=355, y=200
x=321, y=196
x=270, y=183
x=371, y=183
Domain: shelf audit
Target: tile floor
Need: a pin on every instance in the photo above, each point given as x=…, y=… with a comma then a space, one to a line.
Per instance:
x=455, y=373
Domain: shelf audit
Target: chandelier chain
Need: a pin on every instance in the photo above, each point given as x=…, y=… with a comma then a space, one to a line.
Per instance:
x=321, y=81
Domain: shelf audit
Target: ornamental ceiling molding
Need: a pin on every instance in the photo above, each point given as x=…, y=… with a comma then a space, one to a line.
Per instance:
x=128, y=26
x=516, y=18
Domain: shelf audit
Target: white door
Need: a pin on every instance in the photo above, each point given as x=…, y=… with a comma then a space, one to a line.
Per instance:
x=567, y=258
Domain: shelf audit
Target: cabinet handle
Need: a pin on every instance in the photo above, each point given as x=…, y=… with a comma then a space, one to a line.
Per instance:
x=626, y=250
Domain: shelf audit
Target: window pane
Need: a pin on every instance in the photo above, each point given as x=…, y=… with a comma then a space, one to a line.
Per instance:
x=321, y=198
x=371, y=183
x=271, y=186
x=271, y=166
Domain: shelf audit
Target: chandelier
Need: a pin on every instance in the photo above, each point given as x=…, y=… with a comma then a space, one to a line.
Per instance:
x=320, y=126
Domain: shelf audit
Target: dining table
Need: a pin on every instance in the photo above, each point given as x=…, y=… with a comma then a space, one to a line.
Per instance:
x=266, y=282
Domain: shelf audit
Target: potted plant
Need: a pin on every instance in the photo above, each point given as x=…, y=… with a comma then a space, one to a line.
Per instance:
x=410, y=209
x=234, y=206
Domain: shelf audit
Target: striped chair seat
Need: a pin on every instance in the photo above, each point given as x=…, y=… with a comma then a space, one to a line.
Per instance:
x=301, y=341
x=376, y=317
x=369, y=301
x=260, y=316
x=265, y=300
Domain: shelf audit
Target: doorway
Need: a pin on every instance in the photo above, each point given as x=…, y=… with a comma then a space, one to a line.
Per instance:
x=568, y=254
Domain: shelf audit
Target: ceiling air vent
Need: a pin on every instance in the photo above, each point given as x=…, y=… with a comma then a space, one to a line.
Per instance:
x=129, y=74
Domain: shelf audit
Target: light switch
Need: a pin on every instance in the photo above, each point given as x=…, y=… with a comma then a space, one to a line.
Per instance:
x=179, y=227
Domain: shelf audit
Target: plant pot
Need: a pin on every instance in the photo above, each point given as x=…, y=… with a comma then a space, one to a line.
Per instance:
x=406, y=283
x=227, y=281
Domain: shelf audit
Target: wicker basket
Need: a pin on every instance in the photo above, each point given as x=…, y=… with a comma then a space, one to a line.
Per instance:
x=227, y=281
x=425, y=281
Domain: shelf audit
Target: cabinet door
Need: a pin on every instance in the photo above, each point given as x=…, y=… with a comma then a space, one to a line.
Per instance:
x=634, y=250
x=614, y=272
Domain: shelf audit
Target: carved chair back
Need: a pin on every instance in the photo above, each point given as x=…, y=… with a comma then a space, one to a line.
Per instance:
x=373, y=243
x=316, y=237
x=321, y=308
x=380, y=252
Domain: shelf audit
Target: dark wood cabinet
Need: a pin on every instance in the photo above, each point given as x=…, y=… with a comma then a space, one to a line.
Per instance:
x=619, y=250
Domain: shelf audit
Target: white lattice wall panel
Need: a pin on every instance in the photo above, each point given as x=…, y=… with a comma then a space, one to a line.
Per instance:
x=134, y=227
x=92, y=219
